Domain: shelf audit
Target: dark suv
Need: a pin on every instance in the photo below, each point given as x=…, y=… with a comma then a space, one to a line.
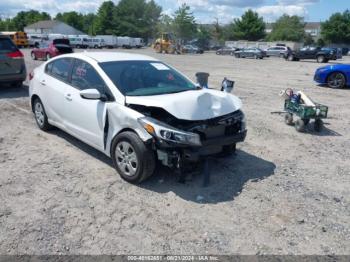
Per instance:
x=321, y=55
x=12, y=67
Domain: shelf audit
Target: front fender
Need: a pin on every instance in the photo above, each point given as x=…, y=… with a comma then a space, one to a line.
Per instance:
x=122, y=118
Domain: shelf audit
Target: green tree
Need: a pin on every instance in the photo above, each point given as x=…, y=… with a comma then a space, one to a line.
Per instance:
x=72, y=18
x=89, y=24
x=337, y=28
x=288, y=28
x=24, y=18
x=184, y=23
x=249, y=27
x=104, y=22
x=136, y=18
x=165, y=24
x=203, y=36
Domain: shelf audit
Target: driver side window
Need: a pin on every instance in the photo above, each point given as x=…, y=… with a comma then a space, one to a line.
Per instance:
x=84, y=76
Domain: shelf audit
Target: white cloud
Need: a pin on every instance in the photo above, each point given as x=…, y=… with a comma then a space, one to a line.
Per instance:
x=273, y=12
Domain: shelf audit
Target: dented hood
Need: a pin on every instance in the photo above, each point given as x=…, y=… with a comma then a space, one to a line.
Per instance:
x=191, y=105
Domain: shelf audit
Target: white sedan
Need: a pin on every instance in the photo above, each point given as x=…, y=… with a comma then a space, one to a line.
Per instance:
x=135, y=109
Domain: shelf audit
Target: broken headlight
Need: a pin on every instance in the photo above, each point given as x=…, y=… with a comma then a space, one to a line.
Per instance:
x=169, y=133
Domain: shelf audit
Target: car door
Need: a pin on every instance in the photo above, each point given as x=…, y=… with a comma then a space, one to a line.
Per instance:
x=54, y=82
x=85, y=118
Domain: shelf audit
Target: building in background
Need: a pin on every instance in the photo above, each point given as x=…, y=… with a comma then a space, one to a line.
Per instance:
x=52, y=27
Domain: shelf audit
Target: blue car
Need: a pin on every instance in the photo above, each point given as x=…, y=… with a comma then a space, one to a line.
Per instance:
x=334, y=76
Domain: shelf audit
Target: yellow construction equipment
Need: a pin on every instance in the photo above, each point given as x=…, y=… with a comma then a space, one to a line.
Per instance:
x=166, y=43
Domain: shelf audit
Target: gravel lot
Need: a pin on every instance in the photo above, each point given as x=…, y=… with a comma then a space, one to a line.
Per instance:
x=283, y=193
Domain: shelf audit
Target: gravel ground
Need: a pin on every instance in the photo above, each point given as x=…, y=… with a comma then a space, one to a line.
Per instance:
x=282, y=193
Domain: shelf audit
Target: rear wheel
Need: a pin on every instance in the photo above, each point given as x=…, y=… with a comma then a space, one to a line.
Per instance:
x=336, y=80
x=288, y=119
x=321, y=59
x=290, y=58
x=132, y=159
x=40, y=115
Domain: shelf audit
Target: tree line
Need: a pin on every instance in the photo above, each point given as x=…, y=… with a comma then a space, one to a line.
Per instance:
x=141, y=18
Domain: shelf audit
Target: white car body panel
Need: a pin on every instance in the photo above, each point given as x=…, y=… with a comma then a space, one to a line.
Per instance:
x=86, y=119
x=191, y=105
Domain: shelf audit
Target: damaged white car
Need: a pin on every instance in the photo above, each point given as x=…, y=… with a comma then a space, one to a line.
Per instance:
x=135, y=109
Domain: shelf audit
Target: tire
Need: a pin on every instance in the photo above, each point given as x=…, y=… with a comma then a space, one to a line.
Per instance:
x=288, y=119
x=33, y=56
x=318, y=125
x=48, y=57
x=321, y=59
x=336, y=80
x=228, y=150
x=300, y=125
x=40, y=115
x=306, y=121
x=131, y=158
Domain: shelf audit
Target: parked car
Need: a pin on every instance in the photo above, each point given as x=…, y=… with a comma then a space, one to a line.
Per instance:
x=136, y=110
x=47, y=50
x=227, y=51
x=279, y=51
x=12, y=66
x=35, y=39
x=192, y=49
x=322, y=56
x=253, y=52
x=334, y=76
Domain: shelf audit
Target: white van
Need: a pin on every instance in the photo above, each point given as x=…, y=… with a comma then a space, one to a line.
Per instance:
x=78, y=41
x=124, y=42
x=95, y=42
x=109, y=41
x=137, y=42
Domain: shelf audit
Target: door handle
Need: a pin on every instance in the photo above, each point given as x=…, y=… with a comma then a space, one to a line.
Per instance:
x=68, y=97
x=42, y=82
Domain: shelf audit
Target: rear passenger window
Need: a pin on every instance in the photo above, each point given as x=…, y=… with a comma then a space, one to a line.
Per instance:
x=48, y=68
x=61, y=68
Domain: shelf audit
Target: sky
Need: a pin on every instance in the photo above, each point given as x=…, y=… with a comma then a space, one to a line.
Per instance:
x=205, y=11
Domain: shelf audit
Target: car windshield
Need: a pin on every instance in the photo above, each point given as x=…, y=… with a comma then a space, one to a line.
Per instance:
x=146, y=78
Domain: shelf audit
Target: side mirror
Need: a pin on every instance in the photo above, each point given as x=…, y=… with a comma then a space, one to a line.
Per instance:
x=91, y=94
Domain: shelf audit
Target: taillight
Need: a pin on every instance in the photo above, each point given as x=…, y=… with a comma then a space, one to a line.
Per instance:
x=15, y=55
x=31, y=75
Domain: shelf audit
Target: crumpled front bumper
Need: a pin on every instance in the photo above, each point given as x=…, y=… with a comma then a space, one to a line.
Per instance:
x=170, y=153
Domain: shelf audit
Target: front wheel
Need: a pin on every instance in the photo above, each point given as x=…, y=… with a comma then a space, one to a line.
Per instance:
x=131, y=158
x=336, y=80
x=300, y=125
x=40, y=115
x=288, y=119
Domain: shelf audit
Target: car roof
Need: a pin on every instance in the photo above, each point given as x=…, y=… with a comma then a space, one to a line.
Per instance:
x=102, y=57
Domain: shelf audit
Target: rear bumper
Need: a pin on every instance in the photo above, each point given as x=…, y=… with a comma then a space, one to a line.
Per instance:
x=13, y=77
